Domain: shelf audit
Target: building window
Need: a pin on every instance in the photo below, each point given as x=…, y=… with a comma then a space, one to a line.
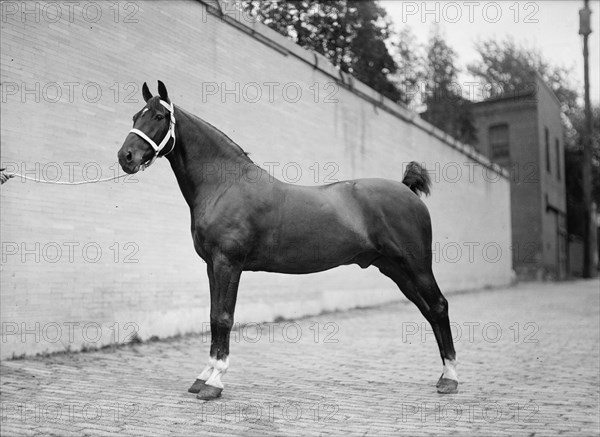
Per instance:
x=499, y=144
x=547, y=139
x=557, y=147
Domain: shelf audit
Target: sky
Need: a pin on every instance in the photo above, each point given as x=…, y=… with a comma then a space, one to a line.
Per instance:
x=550, y=26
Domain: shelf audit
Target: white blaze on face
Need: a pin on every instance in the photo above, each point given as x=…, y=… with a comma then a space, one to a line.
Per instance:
x=144, y=110
x=213, y=371
x=450, y=370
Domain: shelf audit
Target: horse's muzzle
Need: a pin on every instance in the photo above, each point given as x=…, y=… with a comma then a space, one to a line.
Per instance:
x=126, y=161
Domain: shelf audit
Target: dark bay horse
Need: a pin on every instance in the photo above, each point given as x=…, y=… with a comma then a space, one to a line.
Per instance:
x=245, y=219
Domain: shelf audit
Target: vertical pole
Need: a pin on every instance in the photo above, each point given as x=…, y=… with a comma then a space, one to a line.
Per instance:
x=588, y=244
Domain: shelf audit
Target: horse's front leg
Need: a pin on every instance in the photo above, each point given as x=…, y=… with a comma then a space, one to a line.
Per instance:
x=207, y=372
x=224, y=278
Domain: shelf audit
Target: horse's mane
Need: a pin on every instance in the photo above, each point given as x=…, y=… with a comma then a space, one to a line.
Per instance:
x=217, y=135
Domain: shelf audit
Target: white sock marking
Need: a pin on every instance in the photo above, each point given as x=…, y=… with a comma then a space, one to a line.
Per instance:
x=450, y=370
x=208, y=369
x=213, y=371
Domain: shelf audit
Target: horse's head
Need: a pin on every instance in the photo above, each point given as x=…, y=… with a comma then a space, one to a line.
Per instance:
x=153, y=128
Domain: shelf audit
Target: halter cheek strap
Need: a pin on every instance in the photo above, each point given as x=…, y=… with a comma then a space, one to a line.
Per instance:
x=170, y=134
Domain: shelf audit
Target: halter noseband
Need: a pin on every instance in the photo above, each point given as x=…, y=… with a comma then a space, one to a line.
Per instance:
x=170, y=134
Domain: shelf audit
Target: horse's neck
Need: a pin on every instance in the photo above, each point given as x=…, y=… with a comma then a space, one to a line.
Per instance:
x=204, y=160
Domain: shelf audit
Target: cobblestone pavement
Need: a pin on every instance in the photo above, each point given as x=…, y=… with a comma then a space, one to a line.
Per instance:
x=528, y=363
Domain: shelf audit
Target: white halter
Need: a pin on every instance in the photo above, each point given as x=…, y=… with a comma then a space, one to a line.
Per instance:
x=170, y=134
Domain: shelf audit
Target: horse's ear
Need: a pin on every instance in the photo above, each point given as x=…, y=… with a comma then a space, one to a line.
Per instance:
x=162, y=92
x=146, y=92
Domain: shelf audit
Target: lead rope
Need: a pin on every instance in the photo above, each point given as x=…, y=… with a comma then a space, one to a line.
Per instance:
x=42, y=181
x=157, y=149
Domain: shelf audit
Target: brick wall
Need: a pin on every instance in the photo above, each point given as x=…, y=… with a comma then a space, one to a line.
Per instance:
x=553, y=186
x=521, y=116
x=538, y=196
x=88, y=265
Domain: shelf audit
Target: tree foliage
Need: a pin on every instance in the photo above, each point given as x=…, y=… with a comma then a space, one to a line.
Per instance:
x=507, y=67
x=410, y=72
x=351, y=34
x=446, y=107
x=574, y=154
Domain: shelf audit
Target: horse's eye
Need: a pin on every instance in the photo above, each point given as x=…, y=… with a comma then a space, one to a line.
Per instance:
x=159, y=116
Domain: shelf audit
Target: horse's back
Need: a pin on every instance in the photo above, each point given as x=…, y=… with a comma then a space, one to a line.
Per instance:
x=393, y=216
x=375, y=207
x=369, y=198
x=385, y=195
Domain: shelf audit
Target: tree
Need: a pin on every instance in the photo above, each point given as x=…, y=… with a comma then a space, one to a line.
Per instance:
x=507, y=68
x=446, y=108
x=574, y=154
x=410, y=72
x=351, y=34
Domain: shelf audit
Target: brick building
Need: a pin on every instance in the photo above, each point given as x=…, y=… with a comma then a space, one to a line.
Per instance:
x=523, y=133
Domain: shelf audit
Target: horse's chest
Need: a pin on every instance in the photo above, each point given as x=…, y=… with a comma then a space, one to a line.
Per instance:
x=203, y=238
x=217, y=236
x=200, y=244
x=200, y=234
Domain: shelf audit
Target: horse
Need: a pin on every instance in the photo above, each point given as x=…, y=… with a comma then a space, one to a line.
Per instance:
x=244, y=219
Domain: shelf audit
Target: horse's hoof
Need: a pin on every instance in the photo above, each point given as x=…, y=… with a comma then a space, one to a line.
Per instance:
x=440, y=380
x=447, y=386
x=197, y=386
x=208, y=392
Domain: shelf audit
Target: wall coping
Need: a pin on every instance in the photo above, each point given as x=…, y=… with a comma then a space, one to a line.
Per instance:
x=228, y=12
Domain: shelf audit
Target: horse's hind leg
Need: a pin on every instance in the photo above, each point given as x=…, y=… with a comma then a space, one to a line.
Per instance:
x=419, y=286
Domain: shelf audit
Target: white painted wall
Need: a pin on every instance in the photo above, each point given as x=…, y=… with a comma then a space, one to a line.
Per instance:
x=91, y=264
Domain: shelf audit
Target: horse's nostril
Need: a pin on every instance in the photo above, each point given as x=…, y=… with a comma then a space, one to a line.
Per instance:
x=129, y=157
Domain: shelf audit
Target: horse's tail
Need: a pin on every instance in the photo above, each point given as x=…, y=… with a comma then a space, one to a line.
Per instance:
x=417, y=179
